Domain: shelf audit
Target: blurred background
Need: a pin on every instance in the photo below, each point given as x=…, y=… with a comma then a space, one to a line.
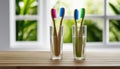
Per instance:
x=26, y=30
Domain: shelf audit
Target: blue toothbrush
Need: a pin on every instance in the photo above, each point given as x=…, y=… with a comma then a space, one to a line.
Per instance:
x=76, y=17
x=62, y=13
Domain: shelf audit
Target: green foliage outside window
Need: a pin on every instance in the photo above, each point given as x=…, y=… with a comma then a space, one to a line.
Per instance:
x=26, y=7
x=26, y=30
x=114, y=24
x=94, y=32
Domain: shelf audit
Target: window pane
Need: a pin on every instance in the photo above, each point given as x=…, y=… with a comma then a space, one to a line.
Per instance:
x=91, y=6
x=94, y=30
x=26, y=7
x=114, y=30
x=26, y=30
x=114, y=7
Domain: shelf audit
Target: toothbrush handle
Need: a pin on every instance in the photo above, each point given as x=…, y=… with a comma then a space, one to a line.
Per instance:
x=59, y=33
x=55, y=38
x=80, y=39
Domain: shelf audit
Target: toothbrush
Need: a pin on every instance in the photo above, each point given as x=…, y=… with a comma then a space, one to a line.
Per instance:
x=76, y=17
x=82, y=15
x=53, y=15
x=62, y=13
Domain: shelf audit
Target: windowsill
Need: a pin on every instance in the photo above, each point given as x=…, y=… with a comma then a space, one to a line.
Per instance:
x=42, y=58
x=66, y=47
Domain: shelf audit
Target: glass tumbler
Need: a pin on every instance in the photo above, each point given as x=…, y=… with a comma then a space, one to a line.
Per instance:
x=79, y=42
x=56, y=43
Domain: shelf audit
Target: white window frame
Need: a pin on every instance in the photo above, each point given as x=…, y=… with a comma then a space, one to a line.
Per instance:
x=43, y=44
x=105, y=43
x=40, y=43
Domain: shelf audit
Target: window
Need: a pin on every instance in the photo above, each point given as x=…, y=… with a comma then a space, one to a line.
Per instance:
x=30, y=20
x=102, y=20
x=94, y=25
x=26, y=24
x=114, y=23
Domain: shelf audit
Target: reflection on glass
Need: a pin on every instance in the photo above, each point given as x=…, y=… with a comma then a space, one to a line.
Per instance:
x=26, y=30
x=114, y=30
x=113, y=7
x=94, y=30
x=26, y=7
x=90, y=6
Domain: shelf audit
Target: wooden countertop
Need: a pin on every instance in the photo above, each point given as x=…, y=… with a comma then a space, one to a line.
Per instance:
x=42, y=58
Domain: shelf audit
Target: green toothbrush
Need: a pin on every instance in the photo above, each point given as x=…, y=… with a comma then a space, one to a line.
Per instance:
x=82, y=15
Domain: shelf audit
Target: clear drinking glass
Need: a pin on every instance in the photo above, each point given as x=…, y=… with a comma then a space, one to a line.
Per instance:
x=79, y=42
x=56, y=43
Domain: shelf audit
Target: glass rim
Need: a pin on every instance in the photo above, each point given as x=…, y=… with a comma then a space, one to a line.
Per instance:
x=82, y=25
